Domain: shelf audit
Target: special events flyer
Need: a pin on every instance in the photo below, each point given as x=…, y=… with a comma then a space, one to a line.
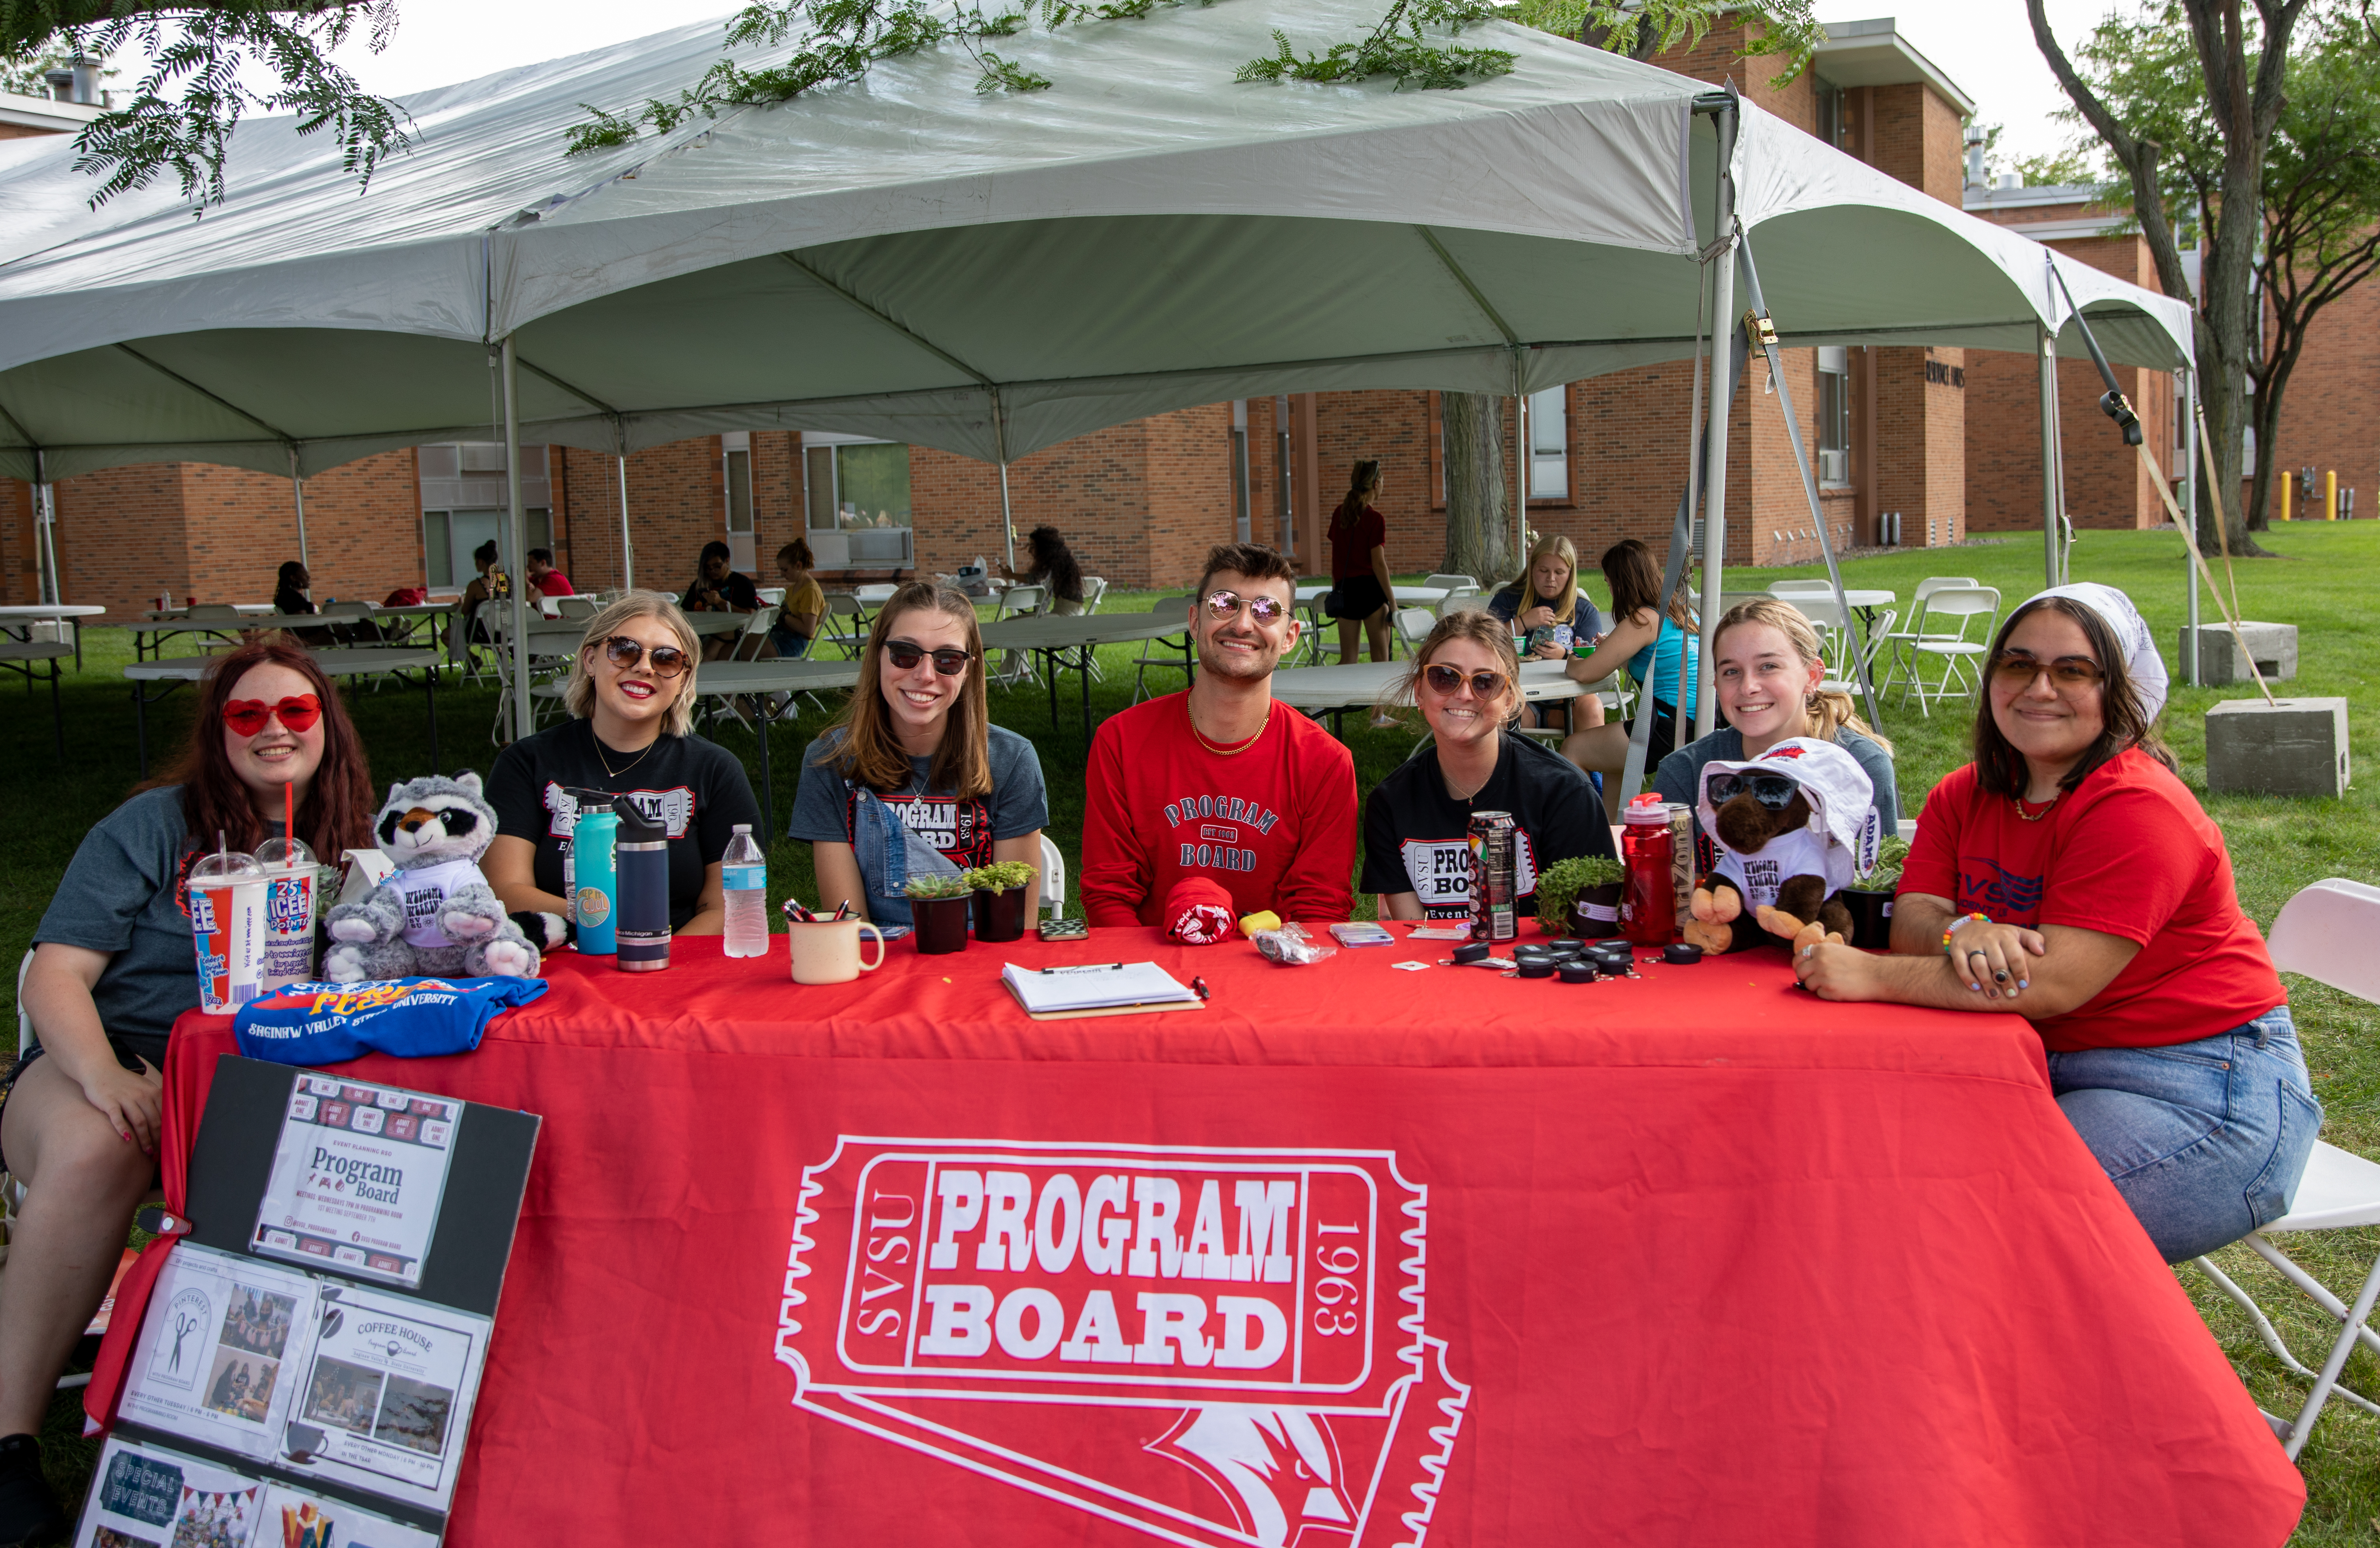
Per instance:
x=387, y=1396
x=219, y=1349
x=356, y=1178
x=146, y=1496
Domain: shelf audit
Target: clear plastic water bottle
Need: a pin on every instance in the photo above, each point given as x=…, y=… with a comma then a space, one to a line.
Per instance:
x=745, y=870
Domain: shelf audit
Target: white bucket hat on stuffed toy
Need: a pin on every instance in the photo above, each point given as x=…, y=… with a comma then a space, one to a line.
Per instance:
x=2142, y=662
x=1841, y=795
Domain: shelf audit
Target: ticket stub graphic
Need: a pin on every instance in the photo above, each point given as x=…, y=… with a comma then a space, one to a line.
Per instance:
x=1037, y=1313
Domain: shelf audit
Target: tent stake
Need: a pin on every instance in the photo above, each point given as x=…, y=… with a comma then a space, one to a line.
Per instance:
x=627, y=561
x=514, y=526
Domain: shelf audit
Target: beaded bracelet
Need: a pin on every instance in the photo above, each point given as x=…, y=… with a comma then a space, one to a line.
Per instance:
x=1983, y=918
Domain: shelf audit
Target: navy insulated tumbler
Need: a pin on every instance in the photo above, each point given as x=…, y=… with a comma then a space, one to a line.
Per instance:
x=643, y=851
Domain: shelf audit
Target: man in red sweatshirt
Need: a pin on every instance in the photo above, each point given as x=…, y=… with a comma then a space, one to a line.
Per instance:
x=1218, y=782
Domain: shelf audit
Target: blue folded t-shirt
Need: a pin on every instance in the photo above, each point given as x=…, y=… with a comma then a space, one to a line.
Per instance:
x=412, y=1017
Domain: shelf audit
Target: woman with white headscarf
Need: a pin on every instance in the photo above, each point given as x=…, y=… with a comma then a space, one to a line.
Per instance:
x=2068, y=876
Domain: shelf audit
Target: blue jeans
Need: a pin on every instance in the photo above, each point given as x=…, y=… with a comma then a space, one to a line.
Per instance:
x=888, y=855
x=2205, y=1141
x=790, y=645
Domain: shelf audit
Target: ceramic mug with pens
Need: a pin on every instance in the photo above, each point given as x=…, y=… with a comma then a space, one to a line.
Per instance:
x=826, y=950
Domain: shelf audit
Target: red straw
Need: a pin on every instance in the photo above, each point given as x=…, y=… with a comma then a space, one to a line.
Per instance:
x=288, y=820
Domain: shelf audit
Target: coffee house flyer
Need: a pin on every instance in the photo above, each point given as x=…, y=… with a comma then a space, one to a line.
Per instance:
x=387, y=1396
x=356, y=1178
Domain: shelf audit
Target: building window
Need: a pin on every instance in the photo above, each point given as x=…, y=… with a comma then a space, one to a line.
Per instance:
x=463, y=492
x=1550, y=445
x=450, y=537
x=856, y=496
x=736, y=453
x=1834, y=414
x=1834, y=124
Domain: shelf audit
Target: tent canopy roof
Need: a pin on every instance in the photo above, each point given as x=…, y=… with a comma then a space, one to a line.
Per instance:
x=902, y=257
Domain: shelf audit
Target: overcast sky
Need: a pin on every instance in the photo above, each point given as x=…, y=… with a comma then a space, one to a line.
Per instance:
x=1984, y=45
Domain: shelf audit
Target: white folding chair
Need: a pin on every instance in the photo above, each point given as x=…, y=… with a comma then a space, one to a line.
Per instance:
x=1094, y=588
x=1052, y=895
x=575, y=607
x=1953, y=647
x=1835, y=628
x=1893, y=644
x=845, y=624
x=1467, y=601
x=1018, y=666
x=27, y=1040
x=1452, y=584
x=2325, y=933
x=1171, y=653
x=1412, y=626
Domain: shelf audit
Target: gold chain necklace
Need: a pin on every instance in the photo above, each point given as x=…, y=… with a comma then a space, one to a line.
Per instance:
x=2023, y=815
x=632, y=763
x=1217, y=748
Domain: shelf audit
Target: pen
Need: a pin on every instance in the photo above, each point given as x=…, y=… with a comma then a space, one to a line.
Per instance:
x=1084, y=967
x=841, y=913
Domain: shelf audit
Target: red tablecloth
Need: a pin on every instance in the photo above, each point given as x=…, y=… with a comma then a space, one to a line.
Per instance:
x=1698, y=1259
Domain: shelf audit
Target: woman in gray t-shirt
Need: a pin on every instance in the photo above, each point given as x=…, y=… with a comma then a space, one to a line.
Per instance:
x=915, y=780
x=112, y=966
x=1767, y=665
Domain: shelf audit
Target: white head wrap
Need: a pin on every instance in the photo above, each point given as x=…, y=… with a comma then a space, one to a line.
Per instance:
x=2142, y=662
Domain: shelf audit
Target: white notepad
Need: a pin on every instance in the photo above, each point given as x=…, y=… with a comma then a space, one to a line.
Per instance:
x=1094, y=988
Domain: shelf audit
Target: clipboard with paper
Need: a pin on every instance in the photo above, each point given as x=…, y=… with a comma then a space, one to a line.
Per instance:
x=1097, y=990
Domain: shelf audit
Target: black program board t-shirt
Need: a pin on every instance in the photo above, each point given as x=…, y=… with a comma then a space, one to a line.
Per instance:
x=1418, y=838
x=694, y=788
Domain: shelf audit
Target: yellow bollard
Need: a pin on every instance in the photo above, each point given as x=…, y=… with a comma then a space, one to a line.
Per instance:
x=2289, y=484
x=2330, y=495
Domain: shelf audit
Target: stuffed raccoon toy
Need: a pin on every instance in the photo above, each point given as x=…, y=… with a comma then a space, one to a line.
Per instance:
x=436, y=915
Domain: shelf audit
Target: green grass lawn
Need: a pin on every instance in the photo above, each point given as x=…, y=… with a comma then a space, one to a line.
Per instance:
x=2322, y=584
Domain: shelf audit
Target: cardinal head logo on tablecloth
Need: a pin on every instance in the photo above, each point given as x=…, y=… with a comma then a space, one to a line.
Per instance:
x=1215, y=1345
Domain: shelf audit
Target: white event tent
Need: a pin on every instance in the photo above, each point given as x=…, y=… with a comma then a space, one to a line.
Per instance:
x=902, y=256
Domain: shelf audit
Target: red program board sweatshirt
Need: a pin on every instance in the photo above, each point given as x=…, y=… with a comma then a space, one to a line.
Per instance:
x=1275, y=825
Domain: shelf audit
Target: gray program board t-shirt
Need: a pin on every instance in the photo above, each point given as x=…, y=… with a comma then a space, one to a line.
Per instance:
x=122, y=894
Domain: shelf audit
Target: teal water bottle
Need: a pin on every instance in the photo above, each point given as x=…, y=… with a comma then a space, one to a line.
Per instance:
x=595, y=897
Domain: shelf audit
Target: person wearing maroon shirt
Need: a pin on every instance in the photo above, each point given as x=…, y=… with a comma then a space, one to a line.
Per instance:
x=1219, y=783
x=2067, y=875
x=1360, y=591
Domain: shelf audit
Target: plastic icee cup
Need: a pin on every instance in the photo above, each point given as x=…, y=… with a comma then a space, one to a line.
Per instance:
x=226, y=896
x=293, y=898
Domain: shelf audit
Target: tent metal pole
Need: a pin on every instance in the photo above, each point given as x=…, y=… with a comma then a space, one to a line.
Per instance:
x=627, y=559
x=1715, y=425
x=45, y=526
x=1520, y=468
x=2189, y=384
x=999, y=444
x=297, y=494
x=514, y=526
x=2053, y=472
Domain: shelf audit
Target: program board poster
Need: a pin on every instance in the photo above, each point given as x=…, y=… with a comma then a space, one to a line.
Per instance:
x=147, y=1497
x=356, y=1178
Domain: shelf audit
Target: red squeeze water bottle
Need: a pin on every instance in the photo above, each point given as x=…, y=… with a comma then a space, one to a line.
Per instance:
x=1648, y=909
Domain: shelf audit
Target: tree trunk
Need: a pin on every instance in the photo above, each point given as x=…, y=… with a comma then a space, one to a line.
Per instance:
x=1478, y=504
x=2260, y=493
x=2224, y=390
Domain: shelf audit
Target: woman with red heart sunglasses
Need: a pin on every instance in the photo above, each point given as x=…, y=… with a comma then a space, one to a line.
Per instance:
x=111, y=971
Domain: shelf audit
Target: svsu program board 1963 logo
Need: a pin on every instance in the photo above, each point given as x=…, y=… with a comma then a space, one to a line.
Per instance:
x=1213, y=1346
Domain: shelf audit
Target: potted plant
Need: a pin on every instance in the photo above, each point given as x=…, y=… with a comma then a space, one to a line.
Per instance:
x=937, y=907
x=1869, y=897
x=1003, y=896
x=1580, y=897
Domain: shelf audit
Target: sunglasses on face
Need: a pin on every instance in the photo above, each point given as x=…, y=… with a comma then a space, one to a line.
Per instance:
x=948, y=661
x=667, y=660
x=298, y=714
x=1772, y=791
x=1442, y=679
x=1224, y=606
x=2067, y=671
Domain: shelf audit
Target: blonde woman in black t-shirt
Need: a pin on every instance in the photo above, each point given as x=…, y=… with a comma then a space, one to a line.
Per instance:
x=1466, y=681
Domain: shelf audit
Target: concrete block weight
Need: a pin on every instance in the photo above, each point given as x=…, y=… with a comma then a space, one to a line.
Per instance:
x=2220, y=662
x=2287, y=747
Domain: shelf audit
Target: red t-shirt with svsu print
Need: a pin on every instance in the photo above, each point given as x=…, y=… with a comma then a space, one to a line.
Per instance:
x=1275, y=825
x=2127, y=853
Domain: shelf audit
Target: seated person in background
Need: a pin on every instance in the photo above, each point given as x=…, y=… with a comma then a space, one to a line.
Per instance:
x=112, y=969
x=490, y=585
x=631, y=731
x=1766, y=667
x=720, y=587
x=1547, y=603
x=1217, y=783
x=914, y=778
x=1418, y=821
x=1648, y=640
x=1053, y=569
x=2066, y=876
x=803, y=609
x=544, y=580
x=290, y=601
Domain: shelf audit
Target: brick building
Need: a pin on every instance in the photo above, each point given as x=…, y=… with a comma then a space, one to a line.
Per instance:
x=1942, y=440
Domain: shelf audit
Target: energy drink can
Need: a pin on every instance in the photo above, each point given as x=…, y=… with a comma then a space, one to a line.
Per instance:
x=226, y=896
x=1495, y=879
x=1682, y=861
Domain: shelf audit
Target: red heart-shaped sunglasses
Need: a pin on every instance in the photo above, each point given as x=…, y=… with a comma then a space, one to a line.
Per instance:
x=298, y=714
